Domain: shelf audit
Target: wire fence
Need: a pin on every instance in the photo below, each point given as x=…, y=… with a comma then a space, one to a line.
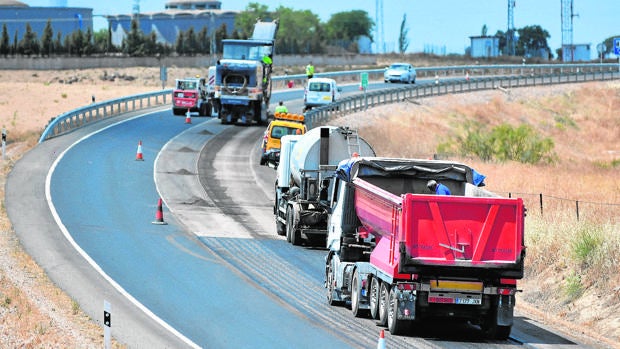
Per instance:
x=549, y=207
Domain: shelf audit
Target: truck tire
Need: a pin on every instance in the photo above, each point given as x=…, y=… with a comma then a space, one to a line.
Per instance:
x=356, y=291
x=373, y=297
x=384, y=301
x=395, y=326
x=292, y=232
x=329, y=283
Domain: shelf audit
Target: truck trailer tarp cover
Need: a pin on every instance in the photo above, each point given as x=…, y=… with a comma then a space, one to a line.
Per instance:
x=385, y=167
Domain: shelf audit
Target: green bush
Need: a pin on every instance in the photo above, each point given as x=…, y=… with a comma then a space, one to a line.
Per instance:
x=502, y=143
x=573, y=287
x=585, y=245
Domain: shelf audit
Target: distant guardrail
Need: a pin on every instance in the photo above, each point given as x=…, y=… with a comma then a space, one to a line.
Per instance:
x=461, y=70
x=79, y=117
x=481, y=78
x=352, y=104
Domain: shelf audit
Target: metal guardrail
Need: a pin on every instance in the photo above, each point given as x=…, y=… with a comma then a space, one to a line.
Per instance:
x=79, y=117
x=461, y=70
x=516, y=74
x=322, y=115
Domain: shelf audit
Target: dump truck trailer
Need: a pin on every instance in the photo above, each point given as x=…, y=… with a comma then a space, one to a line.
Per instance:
x=401, y=254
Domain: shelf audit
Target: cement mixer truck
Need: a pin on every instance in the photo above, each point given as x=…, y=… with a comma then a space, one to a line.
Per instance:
x=305, y=171
x=401, y=254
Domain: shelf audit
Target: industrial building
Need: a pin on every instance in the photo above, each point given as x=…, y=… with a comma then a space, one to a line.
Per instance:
x=178, y=16
x=64, y=20
x=484, y=46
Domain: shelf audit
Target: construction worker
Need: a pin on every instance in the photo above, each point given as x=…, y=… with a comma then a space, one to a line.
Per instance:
x=310, y=70
x=267, y=62
x=437, y=188
x=281, y=108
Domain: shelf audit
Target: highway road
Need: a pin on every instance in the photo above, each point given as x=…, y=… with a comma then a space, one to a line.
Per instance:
x=216, y=275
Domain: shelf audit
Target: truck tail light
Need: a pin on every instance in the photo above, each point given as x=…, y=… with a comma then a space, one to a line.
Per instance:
x=406, y=287
x=504, y=291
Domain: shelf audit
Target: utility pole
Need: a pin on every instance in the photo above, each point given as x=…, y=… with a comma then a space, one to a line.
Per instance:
x=568, y=49
x=510, y=30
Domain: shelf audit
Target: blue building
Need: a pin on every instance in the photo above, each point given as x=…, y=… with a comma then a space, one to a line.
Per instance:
x=64, y=20
x=178, y=16
x=484, y=46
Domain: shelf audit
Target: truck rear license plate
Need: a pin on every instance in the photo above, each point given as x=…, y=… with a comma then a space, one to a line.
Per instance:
x=454, y=298
x=468, y=301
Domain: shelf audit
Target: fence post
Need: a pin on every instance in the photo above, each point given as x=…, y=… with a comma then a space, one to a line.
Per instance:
x=577, y=209
x=541, y=205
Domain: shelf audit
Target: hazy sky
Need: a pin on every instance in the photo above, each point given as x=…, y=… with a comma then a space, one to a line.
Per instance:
x=438, y=24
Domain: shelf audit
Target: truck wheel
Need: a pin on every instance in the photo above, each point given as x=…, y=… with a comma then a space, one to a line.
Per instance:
x=356, y=291
x=384, y=295
x=288, y=230
x=374, y=298
x=395, y=326
x=329, y=284
x=292, y=232
x=291, y=227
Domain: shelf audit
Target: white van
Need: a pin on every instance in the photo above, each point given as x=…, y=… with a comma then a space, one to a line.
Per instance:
x=320, y=92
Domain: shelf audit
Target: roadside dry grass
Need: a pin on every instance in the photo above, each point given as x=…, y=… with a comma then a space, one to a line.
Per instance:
x=572, y=278
x=572, y=274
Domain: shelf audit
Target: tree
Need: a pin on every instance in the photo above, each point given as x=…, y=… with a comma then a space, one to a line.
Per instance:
x=403, y=42
x=220, y=34
x=5, y=46
x=101, y=40
x=180, y=44
x=345, y=27
x=87, y=47
x=609, y=45
x=532, y=39
x=58, y=46
x=298, y=32
x=29, y=45
x=14, y=46
x=133, y=44
x=77, y=43
x=191, y=42
x=47, y=39
x=203, y=41
x=244, y=21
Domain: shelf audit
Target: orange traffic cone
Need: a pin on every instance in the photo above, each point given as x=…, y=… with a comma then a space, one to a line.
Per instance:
x=188, y=117
x=381, y=342
x=139, y=153
x=159, y=215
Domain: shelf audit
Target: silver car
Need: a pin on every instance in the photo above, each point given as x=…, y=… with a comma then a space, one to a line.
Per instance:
x=400, y=72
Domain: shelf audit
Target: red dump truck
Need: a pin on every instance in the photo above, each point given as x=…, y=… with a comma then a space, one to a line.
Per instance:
x=402, y=254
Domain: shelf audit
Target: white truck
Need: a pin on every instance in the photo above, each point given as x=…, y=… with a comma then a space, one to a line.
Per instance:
x=306, y=168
